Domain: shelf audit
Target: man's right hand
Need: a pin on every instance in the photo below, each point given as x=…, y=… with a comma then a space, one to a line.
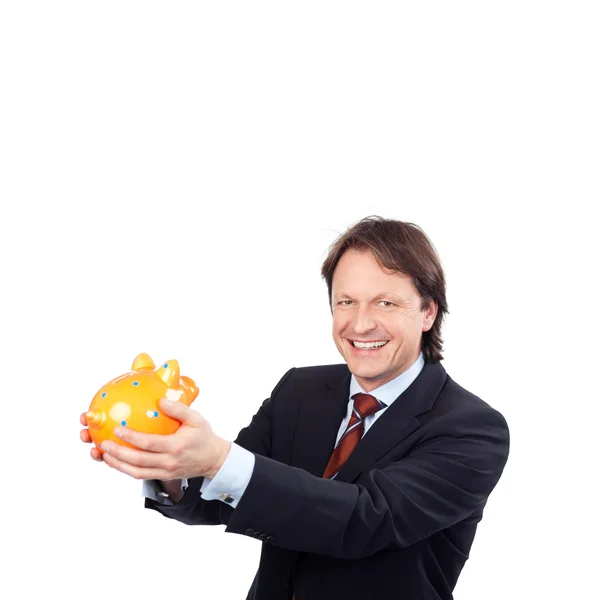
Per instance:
x=173, y=487
x=84, y=434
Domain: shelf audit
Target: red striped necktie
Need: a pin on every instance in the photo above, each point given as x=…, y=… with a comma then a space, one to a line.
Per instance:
x=365, y=405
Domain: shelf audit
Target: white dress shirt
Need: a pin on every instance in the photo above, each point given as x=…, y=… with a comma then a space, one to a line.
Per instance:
x=232, y=479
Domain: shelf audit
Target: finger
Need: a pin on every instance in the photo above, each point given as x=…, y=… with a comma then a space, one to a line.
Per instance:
x=83, y=419
x=134, y=471
x=96, y=454
x=181, y=412
x=135, y=457
x=152, y=442
x=84, y=434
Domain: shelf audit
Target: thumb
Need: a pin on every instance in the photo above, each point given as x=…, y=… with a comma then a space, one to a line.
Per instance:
x=181, y=412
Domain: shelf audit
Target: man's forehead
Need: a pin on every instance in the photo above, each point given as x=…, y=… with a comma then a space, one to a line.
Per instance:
x=364, y=260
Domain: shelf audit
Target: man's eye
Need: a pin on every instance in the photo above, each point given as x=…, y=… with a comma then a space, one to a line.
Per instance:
x=345, y=302
x=387, y=303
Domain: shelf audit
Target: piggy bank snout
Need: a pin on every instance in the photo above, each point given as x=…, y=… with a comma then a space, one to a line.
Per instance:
x=96, y=418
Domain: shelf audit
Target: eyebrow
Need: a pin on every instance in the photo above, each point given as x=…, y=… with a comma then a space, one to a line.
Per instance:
x=394, y=295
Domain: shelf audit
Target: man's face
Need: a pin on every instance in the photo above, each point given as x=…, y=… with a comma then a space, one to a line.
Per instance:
x=373, y=305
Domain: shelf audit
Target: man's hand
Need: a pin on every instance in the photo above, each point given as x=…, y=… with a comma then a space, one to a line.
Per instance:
x=194, y=450
x=84, y=434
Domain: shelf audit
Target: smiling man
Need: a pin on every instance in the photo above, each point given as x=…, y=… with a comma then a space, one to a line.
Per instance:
x=365, y=479
x=378, y=318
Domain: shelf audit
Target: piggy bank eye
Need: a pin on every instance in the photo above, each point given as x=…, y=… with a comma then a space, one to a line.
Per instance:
x=123, y=423
x=152, y=414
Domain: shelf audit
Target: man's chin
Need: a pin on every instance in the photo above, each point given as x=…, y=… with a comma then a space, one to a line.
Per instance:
x=367, y=374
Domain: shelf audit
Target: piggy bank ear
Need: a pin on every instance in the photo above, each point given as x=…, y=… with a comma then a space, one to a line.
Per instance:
x=169, y=373
x=142, y=362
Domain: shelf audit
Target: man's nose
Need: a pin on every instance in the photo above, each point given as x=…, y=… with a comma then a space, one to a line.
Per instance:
x=363, y=320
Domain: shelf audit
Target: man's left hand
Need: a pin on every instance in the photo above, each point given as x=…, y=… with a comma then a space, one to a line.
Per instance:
x=194, y=450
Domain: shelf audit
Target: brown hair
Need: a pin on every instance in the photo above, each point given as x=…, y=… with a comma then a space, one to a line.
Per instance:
x=405, y=248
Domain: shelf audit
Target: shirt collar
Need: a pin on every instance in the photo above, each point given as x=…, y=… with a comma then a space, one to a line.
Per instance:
x=389, y=391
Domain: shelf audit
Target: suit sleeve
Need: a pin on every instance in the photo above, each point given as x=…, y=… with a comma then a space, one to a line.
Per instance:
x=192, y=509
x=445, y=479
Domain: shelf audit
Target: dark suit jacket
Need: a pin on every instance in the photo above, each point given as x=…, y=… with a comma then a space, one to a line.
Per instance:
x=397, y=522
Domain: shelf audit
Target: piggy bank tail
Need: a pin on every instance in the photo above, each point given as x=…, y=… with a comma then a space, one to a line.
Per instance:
x=190, y=390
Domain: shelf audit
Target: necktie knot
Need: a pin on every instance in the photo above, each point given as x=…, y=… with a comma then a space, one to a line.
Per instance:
x=366, y=405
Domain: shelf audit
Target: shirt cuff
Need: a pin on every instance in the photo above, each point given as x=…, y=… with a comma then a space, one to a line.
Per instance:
x=152, y=489
x=232, y=479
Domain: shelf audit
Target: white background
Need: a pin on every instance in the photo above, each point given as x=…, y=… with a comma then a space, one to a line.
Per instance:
x=171, y=176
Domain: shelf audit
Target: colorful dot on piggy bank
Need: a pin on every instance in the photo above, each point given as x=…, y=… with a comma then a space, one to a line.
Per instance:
x=132, y=400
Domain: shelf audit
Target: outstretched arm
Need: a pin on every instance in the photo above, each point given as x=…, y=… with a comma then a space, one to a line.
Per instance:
x=194, y=452
x=444, y=480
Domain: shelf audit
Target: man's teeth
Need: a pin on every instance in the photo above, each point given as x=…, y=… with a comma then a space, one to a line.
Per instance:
x=367, y=345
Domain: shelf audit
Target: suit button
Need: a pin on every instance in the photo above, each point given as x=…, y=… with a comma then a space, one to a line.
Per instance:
x=263, y=536
x=270, y=538
x=249, y=532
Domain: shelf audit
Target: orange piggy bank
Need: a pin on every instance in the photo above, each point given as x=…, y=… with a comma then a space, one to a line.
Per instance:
x=132, y=400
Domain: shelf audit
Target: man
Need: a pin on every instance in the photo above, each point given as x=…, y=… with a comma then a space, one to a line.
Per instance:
x=362, y=480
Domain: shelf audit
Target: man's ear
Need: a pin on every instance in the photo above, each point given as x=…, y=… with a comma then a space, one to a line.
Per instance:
x=430, y=313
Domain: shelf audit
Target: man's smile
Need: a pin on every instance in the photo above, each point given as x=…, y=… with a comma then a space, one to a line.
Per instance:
x=370, y=347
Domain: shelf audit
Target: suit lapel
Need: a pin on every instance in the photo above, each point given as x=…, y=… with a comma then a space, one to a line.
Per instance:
x=397, y=423
x=318, y=421
x=321, y=414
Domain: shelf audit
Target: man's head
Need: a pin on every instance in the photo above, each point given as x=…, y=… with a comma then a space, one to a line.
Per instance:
x=386, y=289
